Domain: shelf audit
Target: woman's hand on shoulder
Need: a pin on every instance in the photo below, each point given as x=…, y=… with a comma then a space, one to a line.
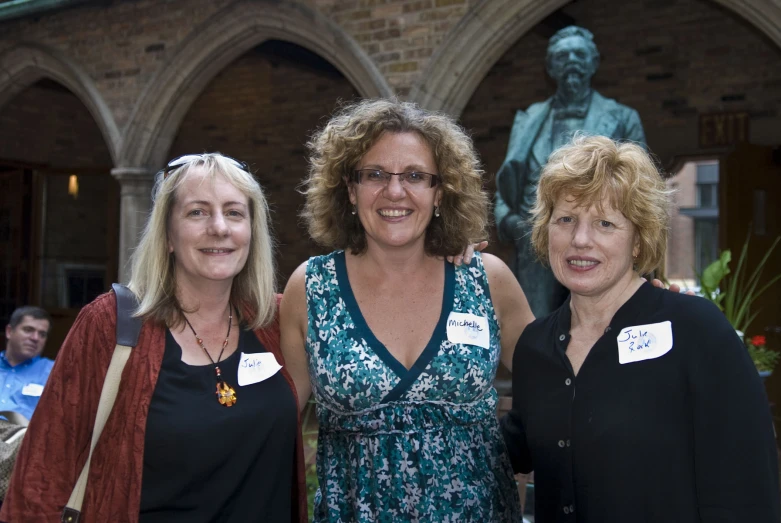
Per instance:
x=512, y=308
x=293, y=327
x=469, y=251
x=674, y=287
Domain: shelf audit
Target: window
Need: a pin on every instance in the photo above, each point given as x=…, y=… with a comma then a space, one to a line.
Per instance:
x=80, y=284
x=694, y=234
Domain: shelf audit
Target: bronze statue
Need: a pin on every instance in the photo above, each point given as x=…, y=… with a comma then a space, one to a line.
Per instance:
x=572, y=60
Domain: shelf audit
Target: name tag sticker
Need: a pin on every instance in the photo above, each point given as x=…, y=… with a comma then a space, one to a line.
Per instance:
x=644, y=342
x=254, y=368
x=468, y=329
x=32, y=389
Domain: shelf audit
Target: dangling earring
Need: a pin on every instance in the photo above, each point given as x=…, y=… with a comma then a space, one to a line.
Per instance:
x=436, y=212
x=354, y=211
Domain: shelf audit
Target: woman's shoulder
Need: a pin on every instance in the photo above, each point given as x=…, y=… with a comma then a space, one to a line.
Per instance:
x=102, y=309
x=693, y=318
x=321, y=263
x=483, y=263
x=686, y=307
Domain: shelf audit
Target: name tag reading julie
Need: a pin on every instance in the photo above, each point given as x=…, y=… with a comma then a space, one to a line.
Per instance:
x=468, y=329
x=644, y=342
x=254, y=368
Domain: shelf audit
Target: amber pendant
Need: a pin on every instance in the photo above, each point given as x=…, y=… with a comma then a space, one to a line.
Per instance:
x=225, y=394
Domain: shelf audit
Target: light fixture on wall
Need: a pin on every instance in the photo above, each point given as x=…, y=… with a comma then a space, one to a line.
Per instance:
x=73, y=186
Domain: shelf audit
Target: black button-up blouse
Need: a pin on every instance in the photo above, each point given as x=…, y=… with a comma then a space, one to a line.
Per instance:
x=685, y=436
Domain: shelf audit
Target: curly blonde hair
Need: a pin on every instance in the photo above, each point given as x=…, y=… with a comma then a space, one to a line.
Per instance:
x=153, y=271
x=595, y=170
x=337, y=148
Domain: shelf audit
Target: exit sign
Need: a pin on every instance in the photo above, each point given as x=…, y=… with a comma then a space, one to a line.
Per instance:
x=719, y=129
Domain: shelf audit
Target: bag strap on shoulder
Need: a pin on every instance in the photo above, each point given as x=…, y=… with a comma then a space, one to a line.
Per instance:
x=128, y=327
x=128, y=330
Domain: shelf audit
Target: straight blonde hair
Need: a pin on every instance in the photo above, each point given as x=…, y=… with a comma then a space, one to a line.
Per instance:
x=153, y=274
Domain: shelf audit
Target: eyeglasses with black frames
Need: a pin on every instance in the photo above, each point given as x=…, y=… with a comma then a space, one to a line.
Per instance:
x=187, y=158
x=414, y=180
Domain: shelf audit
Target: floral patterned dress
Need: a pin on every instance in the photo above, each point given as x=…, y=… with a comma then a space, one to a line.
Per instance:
x=398, y=445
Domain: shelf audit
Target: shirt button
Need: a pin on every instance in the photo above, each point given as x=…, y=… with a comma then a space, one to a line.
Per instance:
x=562, y=337
x=572, y=509
x=566, y=510
x=568, y=382
x=561, y=443
x=568, y=446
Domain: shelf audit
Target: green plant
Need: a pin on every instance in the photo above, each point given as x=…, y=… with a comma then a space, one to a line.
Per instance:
x=735, y=292
x=764, y=358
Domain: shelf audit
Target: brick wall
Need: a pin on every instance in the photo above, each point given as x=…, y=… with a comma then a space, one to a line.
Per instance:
x=47, y=124
x=261, y=109
x=120, y=43
x=399, y=35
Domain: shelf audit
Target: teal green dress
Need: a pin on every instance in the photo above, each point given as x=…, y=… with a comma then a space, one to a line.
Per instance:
x=398, y=445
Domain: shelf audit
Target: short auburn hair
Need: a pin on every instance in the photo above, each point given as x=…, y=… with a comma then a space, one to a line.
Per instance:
x=595, y=170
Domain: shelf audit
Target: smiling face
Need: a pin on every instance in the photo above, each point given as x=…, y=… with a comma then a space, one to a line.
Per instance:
x=395, y=215
x=208, y=230
x=591, y=252
x=26, y=340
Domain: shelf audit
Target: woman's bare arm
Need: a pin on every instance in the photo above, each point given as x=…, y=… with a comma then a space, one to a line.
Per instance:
x=293, y=326
x=510, y=304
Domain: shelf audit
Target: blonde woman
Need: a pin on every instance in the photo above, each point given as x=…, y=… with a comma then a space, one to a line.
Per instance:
x=204, y=412
x=631, y=403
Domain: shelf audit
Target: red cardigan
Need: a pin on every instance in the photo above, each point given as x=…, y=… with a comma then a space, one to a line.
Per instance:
x=57, y=441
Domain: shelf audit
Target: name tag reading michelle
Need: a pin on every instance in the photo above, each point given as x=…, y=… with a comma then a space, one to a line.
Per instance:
x=468, y=329
x=254, y=368
x=644, y=342
x=32, y=389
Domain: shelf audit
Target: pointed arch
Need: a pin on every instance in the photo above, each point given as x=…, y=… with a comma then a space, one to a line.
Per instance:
x=25, y=63
x=210, y=47
x=491, y=27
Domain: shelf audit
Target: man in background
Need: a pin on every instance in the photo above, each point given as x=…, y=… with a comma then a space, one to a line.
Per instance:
x=23, y=371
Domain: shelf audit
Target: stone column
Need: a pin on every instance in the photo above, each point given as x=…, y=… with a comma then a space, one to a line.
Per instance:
x=135, y=203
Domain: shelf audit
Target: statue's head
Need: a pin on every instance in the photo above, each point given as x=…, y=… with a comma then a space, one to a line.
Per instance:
x=572, y=57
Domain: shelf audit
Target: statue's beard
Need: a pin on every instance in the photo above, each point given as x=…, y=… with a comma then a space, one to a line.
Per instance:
x=574, y=82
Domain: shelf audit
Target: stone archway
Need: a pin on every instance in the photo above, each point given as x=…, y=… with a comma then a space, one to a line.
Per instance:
x=211, y=47
x=490, y=28
x=24, y=64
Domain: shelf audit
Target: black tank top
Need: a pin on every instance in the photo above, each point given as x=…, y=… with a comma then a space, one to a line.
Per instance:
x=204, y=462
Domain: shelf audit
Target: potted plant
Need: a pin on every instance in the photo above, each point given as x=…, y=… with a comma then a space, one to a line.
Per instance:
x=764, y=358
x=735, y=293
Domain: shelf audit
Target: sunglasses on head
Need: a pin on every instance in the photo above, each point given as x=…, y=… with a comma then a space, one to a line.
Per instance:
x=187, y=158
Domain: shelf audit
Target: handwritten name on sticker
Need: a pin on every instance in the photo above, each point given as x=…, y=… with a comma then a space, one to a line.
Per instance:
x=254, y=368
x=644, y=342
x=468, y=329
